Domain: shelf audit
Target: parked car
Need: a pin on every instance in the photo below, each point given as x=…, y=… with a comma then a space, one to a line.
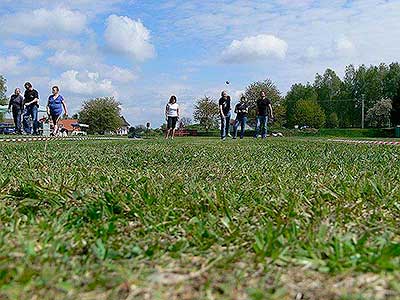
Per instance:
x=6, y=128
x=76, y=132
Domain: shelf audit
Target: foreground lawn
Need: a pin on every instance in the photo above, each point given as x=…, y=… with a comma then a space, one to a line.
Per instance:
x=199, y=218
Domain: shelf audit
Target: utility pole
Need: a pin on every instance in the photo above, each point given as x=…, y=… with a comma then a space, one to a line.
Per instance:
x=362, y=110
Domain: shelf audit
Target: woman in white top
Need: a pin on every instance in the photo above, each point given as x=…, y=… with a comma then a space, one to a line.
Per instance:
x=171, y=115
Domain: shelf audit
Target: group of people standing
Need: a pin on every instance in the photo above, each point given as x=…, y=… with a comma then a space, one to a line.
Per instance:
x=27, y=108
x=264, y=112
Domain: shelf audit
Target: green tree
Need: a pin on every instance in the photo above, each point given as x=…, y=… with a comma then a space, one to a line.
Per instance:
x=101, y=114
x=252, y=94
x=3, y=96
x=298, y=92
x=328, y=88
x=332, y=121
x=350, y=113
x=206, y=112
x=309, y=113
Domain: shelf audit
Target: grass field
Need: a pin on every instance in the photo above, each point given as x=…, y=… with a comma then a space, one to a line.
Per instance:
x=199, y=219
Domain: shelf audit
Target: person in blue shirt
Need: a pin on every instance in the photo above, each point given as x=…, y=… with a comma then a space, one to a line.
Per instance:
x=55, y=108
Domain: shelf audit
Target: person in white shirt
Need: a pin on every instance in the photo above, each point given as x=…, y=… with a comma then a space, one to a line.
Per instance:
x=171, y=115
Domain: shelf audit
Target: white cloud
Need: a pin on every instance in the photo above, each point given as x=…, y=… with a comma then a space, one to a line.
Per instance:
x=345, y=47
x=9, y=64
x=120, y=75
x=31, y=52
x=66, y=59
x=255, y=48
x=126, y=36
x=43, y=21
x=85, y=83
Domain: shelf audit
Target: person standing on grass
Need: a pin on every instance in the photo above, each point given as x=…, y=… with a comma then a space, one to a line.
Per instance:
x=16, y=106
x=31, y=109
x=225, y=113
x=264, y=110
x=171, y=115
x=241, y=110
x=55, y=108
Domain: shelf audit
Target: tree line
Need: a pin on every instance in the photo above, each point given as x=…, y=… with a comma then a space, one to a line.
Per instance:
x=327, y=102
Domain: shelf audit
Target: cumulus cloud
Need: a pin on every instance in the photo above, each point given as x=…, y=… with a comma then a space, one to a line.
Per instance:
x=85, y=83
x=255, y=48
x=64, y=58
x=31, y=52
x=43, y=21
x=120, y=75
x=9, y=64
x=126, y=36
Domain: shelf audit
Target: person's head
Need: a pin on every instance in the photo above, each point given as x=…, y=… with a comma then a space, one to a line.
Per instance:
x=17, y=91
x=242, y=99
x=224, y=94
x=55, y=90
x=28, y=85
x=172, y=100
x=262, y=94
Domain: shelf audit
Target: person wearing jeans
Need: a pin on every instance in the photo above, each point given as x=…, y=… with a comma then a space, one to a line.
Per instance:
x=31, y=109
x=241, y=110
x=16, y=105
x=225, y=113
x=264, y=108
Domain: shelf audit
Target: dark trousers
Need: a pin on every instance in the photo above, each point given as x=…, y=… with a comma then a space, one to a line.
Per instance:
x=262, y=124
x=242, y=122
x=17, y=114
x=31, y=112
x=225, y=125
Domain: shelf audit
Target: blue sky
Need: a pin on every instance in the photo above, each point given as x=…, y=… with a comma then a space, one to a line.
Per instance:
x=142, y=51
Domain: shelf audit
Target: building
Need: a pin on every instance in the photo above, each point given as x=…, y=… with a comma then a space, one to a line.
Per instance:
x=124, y=130
x=67, y=124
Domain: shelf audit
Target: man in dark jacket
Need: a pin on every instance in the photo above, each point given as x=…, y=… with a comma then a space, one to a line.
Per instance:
x=224, y=105
x=264, y=110
x=16, y=105
x=31, y=109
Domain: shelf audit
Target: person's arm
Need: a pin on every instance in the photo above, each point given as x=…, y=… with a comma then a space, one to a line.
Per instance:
x=65, y=108
x=22, y=104
x=9, y=104
x=48, y=107
x=236, y=109
x=36, y=100
x=270, y=109
x=221, y=111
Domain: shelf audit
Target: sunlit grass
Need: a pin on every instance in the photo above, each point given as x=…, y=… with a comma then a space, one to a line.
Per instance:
x=199, y=218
